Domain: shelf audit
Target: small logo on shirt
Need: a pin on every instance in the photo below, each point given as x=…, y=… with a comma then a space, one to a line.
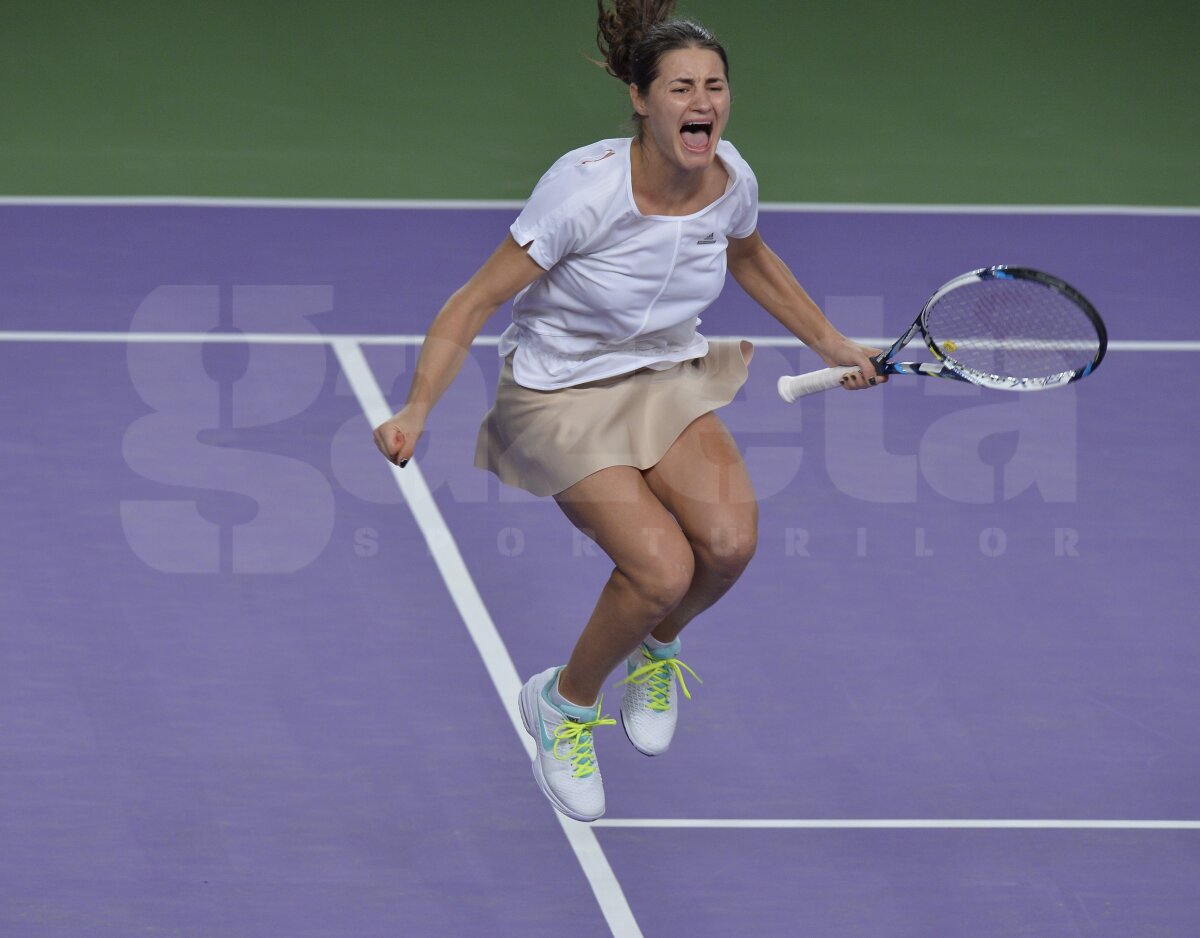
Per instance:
x=710, y=238
x=597, y=159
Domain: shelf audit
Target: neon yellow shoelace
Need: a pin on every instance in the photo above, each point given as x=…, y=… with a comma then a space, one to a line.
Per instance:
x=579, y=734
x=657, y=673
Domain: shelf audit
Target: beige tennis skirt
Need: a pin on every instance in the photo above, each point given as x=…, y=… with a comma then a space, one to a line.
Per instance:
x=546, y=441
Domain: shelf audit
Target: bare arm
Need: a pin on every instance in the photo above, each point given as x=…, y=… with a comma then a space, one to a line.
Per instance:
x=769, y=282
x=502, y=276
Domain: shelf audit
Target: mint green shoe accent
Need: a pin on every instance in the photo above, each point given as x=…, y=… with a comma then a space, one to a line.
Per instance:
x=546, y=741
x=669, y=650
x=576, y=729
x=568, y=709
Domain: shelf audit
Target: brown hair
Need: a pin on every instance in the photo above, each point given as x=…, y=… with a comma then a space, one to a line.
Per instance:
x=634, y=35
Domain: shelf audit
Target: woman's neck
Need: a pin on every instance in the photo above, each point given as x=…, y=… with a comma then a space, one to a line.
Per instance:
x=661, y=188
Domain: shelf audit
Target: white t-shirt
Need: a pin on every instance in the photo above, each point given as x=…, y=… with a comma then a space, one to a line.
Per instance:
x=622, y=290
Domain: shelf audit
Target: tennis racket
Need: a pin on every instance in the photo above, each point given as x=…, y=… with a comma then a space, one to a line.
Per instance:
x=1010, y=328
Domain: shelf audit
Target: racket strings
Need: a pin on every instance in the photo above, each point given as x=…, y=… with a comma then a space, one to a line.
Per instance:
x=1017, y=329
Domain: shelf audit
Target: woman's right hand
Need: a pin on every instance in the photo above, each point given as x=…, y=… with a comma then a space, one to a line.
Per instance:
x=397, y=436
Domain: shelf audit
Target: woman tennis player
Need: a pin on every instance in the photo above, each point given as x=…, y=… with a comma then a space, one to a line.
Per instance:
x=608, y=393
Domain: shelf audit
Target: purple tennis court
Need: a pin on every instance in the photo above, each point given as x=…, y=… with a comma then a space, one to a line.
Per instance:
x=257, y=682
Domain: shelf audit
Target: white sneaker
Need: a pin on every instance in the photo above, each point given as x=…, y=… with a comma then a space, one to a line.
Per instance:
x=649, y=708
x=565, y=767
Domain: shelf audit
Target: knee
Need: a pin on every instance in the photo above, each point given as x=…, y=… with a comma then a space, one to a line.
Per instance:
x=729, y=549
x=662, y=578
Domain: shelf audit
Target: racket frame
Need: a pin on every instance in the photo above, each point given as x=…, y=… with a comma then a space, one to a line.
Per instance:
x=946, y=366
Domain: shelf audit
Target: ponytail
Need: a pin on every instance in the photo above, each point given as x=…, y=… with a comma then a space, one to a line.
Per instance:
x=621, y=29
x=634, y=35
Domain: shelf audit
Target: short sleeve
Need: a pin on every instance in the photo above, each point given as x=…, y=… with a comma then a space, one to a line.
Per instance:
x=562, y=210
x=550, y=232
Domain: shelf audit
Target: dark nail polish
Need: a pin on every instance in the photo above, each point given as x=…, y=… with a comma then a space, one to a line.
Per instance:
x=403, y=463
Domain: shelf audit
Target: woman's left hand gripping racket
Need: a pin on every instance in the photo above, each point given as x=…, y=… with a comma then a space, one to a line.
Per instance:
x=1001, y=327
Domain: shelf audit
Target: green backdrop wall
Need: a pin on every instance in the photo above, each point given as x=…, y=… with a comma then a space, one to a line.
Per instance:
x=1022, y=102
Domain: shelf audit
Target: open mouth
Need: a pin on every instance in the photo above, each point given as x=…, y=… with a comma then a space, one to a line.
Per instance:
x=696, y=135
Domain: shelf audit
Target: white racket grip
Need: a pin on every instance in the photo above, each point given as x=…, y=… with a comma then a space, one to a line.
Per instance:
x=794, y=386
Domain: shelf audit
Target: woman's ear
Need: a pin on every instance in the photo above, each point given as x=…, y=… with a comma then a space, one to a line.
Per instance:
x=635, y=97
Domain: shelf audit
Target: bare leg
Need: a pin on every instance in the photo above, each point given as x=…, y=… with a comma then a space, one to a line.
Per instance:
x=679, y=534
x=653, y=572
x=703, y=482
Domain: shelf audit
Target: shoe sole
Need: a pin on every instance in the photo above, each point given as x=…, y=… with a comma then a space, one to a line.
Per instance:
x=538, y=774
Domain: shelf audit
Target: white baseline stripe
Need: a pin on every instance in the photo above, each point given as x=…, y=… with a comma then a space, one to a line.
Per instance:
x=251, y=338
x=892, y=824
x=904, y=209
x=511, y=204
x=483, y=632
x=202, y=201
x=313, y=338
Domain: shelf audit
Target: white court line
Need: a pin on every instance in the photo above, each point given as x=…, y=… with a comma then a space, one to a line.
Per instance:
x=901, y=208
x=314, y=338
x=892, y=824
x=511, y=204
x=203, y=201
x=249, y=338
x=483, y=632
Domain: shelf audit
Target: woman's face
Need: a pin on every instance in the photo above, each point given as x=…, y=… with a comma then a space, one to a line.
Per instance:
x=686, y=107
